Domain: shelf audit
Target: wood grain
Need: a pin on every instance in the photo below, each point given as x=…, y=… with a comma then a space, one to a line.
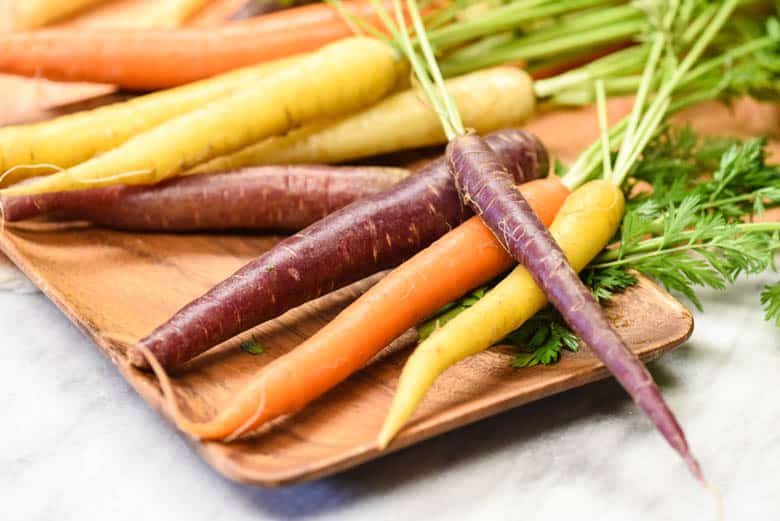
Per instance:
x=117, y=286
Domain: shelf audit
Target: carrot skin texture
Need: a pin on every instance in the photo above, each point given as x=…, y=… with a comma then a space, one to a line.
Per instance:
x=72, y=139
x=148, y=59
x=308, y=89
x=432, y=278
x=28, y=14
x=588, y=218
x=488, y=100
x=486, y=186
x=361, y=239
x=286, y=198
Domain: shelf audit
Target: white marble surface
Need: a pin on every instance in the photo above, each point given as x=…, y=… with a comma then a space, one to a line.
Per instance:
x=77, y=443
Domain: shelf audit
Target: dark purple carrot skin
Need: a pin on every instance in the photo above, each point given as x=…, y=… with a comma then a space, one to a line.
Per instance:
x=488, y=189
x=286, y=198
x=254, y=8
x=366, y=237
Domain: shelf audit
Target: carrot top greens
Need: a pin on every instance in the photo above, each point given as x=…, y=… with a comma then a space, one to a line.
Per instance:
x=770, y=298
x=689, y=232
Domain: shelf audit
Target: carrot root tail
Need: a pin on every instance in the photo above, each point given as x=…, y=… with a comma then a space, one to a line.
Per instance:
x=169, y=396
x=718, y=497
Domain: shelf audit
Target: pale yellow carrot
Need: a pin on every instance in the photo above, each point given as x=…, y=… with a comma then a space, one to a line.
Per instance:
x=72, y=139
x=339, y=78
x=29, y=14
x=488, y=100
x=173, y=13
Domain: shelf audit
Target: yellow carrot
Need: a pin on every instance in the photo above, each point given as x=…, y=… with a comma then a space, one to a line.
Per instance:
x=69, y=140
x=583, y=227
x=29, y=14
x=488, y=100
x=313, y=88
x=173, y=13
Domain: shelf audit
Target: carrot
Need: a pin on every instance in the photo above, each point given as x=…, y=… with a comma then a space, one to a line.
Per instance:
x=368, y=236
x=161, y=58
x=491, y=99
x=41, y=148
x=290, y=96
x=432, y=278
x=173, y=13
x=252, y=8
x=486, y=186
x=586, y=222
x=261, y=198
x=29, y=14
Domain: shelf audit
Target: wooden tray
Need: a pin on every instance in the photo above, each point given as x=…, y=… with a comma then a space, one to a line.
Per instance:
x=116, y=287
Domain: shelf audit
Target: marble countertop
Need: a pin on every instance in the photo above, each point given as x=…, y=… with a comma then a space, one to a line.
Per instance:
x=78, y=443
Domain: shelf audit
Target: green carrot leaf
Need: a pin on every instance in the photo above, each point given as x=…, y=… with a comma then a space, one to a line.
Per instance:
x=252, y=346
x=770, y=299
x=605, y=282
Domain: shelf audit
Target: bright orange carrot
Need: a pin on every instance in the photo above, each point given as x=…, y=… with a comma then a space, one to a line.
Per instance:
x=161, y=58
x=458, y=262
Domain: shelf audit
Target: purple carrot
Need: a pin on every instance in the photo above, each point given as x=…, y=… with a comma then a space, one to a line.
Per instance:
x=488, y=188
x=285, y=198
x=254, y=8
x=366, y=237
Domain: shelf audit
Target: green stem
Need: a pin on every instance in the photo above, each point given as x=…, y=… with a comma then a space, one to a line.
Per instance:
x=648, y=75
x=405, y=41
x=445, y=15
x=581, y=96
x=655, y=246
x=624, y=61
x=583, y=21
x=601, y=105
x=523, y=49
x=730, y=55
x=587, y=164
x=483, y=46
x=449, y=105
x=504, y=18
x=698, y=24
x=736, y=199
x=655, y=113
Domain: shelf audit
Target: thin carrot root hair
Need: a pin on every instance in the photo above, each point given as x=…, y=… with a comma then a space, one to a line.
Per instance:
x=14, y=168
x=718, y=496
x=115, y=177
x=249, y=423
x=169, y=396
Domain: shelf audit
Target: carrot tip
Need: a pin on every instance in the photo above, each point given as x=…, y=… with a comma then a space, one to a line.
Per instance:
x=137, y=359
x=695, y=469
x=384, y=439
x=715, y=491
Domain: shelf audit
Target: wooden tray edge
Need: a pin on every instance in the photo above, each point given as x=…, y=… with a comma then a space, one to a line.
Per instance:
x=214, y=452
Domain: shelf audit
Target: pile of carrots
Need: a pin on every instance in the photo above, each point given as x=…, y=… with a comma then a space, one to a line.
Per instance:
x=295, y=90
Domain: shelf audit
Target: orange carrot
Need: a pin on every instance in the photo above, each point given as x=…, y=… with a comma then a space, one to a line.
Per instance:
x=162, y=58
x=458, y=262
